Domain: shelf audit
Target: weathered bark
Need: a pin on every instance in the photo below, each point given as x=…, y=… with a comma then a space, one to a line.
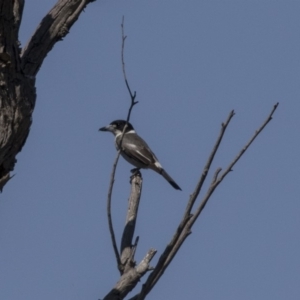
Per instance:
x=130, y=272
x=127, y=250
x=17, y=91
x=131, y=278
x=19, y=68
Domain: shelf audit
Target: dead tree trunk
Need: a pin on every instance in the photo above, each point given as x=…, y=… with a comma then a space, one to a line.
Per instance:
x=18, y=70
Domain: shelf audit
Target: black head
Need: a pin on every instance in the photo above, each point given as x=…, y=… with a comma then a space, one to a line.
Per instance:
x=117, y=127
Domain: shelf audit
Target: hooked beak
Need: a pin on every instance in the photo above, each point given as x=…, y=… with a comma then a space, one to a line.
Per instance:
x=103, y=128
x=106, y=128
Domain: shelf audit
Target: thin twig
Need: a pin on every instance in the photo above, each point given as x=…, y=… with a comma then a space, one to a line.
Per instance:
x=217, y=172
x=132, y=95
x=208, y=164
x=214, y=183
x=110, y=224
x=257, y=132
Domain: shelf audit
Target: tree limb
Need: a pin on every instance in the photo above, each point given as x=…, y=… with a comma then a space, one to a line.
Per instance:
x=188, y=220
x=53, y=28
x=130, y=272
x=127, y=249
x=130, y=279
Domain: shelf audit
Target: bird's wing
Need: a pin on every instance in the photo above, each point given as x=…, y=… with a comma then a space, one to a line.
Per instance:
x=136, y=148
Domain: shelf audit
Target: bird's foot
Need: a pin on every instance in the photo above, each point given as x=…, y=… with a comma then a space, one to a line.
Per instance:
x=135, y=172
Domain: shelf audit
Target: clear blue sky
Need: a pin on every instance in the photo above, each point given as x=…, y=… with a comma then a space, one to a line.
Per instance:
x=191, y=62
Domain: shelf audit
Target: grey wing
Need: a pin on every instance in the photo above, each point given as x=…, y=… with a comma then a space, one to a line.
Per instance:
x=136, y=148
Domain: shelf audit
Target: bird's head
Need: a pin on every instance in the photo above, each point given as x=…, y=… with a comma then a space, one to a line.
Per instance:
x=117, y=127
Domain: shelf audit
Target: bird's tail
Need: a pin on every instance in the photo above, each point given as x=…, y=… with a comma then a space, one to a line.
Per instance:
x=169, y=179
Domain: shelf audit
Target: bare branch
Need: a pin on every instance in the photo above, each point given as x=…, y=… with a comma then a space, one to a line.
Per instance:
x=110, y=224
x=257, y=132
x=217, y=174
x=184, y=229
x=53, y=28
x=132, y=95
x=208, y=164
x=214, y=184
x=127, y=249
x=125, y=262
x=130, y=273
x=112, y=179
x=131, y=278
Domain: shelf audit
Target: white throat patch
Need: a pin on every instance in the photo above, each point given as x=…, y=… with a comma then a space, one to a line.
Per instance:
x=120, y=132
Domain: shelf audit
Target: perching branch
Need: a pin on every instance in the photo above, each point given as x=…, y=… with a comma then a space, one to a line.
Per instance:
x=130, y=272
x=126, y=241
x=127, y=249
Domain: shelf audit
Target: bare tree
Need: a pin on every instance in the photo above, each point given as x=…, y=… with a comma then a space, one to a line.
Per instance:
x=130, y=271
x=18, y=70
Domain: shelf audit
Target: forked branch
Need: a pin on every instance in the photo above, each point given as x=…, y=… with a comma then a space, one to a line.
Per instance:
x=189, y=218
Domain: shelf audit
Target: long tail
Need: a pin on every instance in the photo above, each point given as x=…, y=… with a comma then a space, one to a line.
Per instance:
x=169, y=179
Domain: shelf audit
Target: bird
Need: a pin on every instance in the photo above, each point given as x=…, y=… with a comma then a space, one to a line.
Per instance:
x=135, y=150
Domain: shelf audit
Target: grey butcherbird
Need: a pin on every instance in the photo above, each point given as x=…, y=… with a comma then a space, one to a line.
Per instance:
x=135, y=150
